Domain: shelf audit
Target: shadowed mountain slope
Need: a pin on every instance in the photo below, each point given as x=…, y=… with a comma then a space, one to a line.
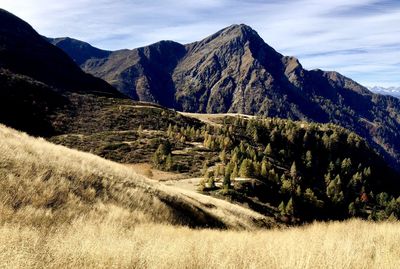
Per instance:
x=37, y=78
x=23, y=51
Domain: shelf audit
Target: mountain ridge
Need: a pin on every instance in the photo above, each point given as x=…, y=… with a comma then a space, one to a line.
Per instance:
x=392, y=91
x=37, y=79
x=235, y=71
x=25, y=52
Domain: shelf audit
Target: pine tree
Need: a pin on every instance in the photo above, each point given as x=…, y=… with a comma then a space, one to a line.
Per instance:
x=286, y=185
x=293, y=171
x=346, y=166
x=246, y=168
x=264, y=169
x=255, y=136
x=169, y=163
x=227, y=179
x=334, y=190
x=157, y=158
x=352, y=209
x=282, y=208
x=273, y=176
x=205, y=167
x=241, y=147
x=290, y=207
x=268, y=150
x=222, y=156
x=234, y=172
x=256, y=169
x=161, y=153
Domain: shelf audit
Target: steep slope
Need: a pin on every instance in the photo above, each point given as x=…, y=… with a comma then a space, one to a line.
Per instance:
x=45, y=185
x=143, y=74
x=234, y=70
x=24, y=51
x=27, y=104
x=37, y=80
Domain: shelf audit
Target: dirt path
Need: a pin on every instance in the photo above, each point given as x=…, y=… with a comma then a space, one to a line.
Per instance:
x=191, y=184
x=210, y=118
x=167, y=178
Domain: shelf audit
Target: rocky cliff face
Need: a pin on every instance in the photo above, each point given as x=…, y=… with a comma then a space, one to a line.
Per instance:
x=234, y=70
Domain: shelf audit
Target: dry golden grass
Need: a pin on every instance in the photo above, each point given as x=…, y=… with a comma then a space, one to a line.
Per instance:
x=353, y=244
x=61, y=208
x=42, y=184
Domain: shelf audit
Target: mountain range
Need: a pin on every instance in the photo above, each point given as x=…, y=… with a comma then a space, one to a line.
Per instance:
x=393, y=91
x=234, y=70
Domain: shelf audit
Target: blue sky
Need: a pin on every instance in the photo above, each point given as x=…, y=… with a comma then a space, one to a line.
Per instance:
x=358, y=38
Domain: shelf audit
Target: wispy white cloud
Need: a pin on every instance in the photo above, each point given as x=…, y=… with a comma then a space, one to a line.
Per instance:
x=359, y=38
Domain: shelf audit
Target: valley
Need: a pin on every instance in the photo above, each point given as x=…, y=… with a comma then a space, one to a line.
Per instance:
x=220, y=153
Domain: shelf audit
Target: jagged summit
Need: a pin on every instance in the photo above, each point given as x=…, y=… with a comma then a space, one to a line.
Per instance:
x=239, y=30
x=238, y=34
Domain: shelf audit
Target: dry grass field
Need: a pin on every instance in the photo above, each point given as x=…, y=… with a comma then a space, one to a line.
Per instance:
x=60, y=208
x=352, y=244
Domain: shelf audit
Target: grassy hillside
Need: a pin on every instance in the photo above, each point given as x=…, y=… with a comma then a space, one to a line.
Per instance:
x=291, y=171
x=60, y=208
x=44, y=185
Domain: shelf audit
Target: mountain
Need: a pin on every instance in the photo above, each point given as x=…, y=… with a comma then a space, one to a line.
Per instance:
x=234, y=70
x=79, y=51
x=37, y=79
x=23, y=51
x=393, y=91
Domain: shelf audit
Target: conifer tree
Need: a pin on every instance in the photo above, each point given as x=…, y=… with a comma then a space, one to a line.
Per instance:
x=268, y=150
x=289, y=207
x=227, y=179
x=169, y=163
x=234, y=172
x=282, y=208
x=264, y=169
x=246, y=168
